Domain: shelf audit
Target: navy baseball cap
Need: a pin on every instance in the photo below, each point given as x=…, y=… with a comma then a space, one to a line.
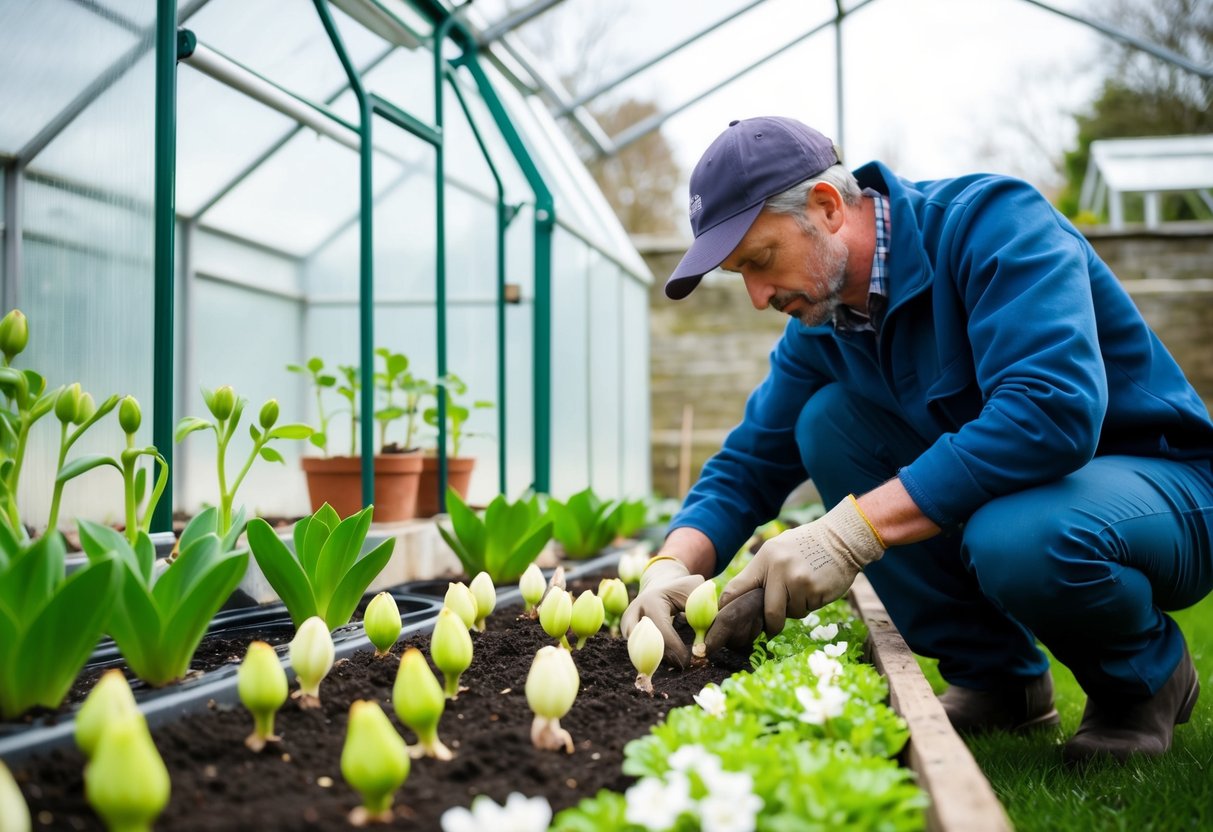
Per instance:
x=752, y=160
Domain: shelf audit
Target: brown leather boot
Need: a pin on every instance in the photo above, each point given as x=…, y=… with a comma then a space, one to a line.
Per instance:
x=1118, y=729
x=1017, y=709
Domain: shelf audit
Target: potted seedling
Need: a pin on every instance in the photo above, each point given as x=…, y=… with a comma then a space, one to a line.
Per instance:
x=337, y=480
x=458, y=467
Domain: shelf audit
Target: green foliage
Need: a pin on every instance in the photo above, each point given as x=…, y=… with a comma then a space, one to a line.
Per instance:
x=227, y=408
x=633, y=514
x=314, y=371
x=604, y=812
x=49, y=623
x=394, y=379
x=796, y=639
x=450, y=387
x=585, y=524
x=160, y=615
x=324, y=575
x=503, y=543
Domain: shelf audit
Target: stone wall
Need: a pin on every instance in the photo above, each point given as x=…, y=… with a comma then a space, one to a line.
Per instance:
x=710, y=350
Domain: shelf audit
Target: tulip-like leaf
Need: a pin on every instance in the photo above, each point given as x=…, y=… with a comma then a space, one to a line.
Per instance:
x=83, y=465
x=189, y=424
x=291, y=432
x=324, y=576
x=158, y=622
x=584, y=524
x=503, y=544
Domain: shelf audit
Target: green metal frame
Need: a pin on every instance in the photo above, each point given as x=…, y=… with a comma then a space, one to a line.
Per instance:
x=163, y=350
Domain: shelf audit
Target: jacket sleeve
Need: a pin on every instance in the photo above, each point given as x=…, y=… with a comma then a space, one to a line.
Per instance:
x=745, y=483
x=1022, y=277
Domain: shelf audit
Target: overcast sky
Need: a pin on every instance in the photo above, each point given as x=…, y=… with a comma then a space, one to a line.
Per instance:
x=934, y=87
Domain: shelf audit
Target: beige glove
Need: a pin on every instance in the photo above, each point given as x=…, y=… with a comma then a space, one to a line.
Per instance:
x=664, y=587
x=803, y=569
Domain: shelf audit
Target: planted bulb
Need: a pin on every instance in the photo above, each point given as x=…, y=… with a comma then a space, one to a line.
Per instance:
x=631, y=566
x=374, y=761
x=382, y=622
x=646, y=648
x=13, y=809
x=419, y=703
x=312, y=658
x=261, y=683
x=701, y=609
x=459, y=600
x=551, y=687
x=451, y=650
x=532, y=586
x=109, y=700
x=587, y=617
x=555, y=615
x=614, y=595
x=485, y=595
x=126, y=782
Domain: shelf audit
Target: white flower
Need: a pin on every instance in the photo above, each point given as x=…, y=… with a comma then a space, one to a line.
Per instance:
x=823, y=667
x=835, y=650
x=728, y=784
x=729, y=813
x=811, y=620
x=826, y=632
x=655, y=804
x=711, y=699
x=825, y=702
x=519, y=814
x=687, y=757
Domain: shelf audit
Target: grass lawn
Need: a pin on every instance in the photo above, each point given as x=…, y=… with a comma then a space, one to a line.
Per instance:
x=1171, y=793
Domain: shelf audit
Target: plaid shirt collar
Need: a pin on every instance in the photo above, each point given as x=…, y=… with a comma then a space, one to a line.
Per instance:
x=847, y=319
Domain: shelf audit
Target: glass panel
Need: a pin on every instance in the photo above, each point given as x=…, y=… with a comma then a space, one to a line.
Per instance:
x=298, y=56
x=471, y=250
x=406, y=78
x=95, y=149
x=50, y=51
x=516, y=187
x=570, y=366
x=300, y=196
x=220, y=132
x=472, y=355
x=520, y=397
x=142, y=13
x=605, y=365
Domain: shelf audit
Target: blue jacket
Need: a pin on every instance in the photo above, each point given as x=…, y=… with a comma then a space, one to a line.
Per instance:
x=1008, y=345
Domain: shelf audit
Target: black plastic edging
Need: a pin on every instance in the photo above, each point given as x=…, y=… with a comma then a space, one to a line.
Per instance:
x=219, y=686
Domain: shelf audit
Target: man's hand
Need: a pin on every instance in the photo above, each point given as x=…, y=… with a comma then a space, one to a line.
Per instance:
x=801, y=570
x=664, y=587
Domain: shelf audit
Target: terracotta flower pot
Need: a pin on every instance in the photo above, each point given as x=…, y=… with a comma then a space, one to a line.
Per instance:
x=337, y=480
x=458, y=477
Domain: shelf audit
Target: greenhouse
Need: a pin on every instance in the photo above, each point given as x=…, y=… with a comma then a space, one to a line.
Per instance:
x=364, y=461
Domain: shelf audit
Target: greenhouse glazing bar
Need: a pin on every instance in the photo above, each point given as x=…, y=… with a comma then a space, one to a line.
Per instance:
x=163, y=390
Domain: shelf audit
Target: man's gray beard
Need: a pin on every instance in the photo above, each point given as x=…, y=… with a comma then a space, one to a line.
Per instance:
x=830, y=259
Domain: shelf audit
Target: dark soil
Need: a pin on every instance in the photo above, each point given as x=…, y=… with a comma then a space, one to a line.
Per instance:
x=217, y=784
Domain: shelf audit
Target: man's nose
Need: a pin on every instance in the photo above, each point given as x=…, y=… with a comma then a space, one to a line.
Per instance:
x=760, y=291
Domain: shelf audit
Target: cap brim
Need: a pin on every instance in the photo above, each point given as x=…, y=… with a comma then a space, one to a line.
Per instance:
x=708, y=251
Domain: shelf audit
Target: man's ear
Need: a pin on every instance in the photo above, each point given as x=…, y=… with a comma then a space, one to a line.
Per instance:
x=826, y=199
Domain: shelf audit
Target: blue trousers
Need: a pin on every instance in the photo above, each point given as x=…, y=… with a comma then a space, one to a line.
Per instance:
x=1086, y=564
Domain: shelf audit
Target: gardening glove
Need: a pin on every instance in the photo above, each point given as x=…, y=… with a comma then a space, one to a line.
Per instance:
x=801, y=570
x=664, y=587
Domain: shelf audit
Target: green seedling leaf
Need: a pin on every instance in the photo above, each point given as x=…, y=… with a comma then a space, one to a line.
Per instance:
x=44, y=404
x=318, y=439
x=470, y=530
x=271, y=455
x=471, y=564
x=525, y=551
x=352, y=587
x=181, y=575
x=72, y=621
x=315, y=364
x=318, y=532
x=338, y=555
x=203, y=523
x=291, y=432
x=135, y=624
x=254, y=432
x=140, y=485
x=282, y=570
x=328, y=516
x=233, y=534
x=83, y=465
x=194, y=610
x=98, y=541
x=299, y=533
x=509, y=523
x=145, y=554
x=35, y=573
x=190, y=424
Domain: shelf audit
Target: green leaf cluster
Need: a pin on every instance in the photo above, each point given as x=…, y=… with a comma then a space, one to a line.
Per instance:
x=503, y=543
x=796, y=637
x=160, y=614
x=584, y=524
x=324, y=575
x=451, y=387
x=226, y=408
x=49, y=623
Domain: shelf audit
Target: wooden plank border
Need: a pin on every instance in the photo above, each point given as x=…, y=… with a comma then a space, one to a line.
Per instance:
x=961, y=797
